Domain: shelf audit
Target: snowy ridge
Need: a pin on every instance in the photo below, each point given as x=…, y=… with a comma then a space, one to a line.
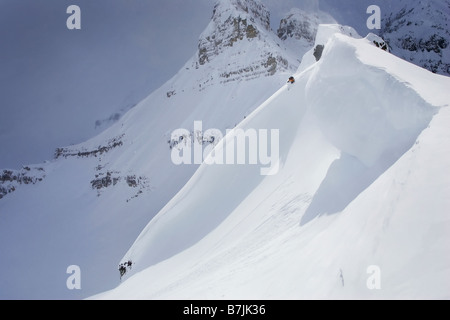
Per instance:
x=342, y=201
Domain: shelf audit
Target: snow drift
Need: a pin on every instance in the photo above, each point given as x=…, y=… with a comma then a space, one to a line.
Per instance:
x=362, y=186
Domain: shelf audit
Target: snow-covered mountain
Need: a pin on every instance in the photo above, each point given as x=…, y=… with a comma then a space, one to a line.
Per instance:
x=88, y=205
x=418, y=31
x=350, y=126
x=298, y=29
x=358, y=209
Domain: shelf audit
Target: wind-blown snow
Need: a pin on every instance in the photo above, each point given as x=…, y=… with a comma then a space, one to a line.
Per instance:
x=362, y=186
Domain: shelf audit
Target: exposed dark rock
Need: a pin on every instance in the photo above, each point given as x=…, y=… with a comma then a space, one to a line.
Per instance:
x=132, y=182
x=235, y=22
x=111, y=178
x=10, y=180
x=170, y=93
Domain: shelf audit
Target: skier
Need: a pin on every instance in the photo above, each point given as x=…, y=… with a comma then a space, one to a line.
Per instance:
x=291, y=80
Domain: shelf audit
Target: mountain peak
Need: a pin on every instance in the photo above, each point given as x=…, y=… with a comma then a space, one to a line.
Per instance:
x=253, y=9
x=240, y=31
x=298, y=28
x=352, y=135
x=232, y=21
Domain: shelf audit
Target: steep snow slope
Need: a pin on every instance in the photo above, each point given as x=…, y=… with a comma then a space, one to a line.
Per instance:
x=88, y=205
x=418, y=31
x=359, y=201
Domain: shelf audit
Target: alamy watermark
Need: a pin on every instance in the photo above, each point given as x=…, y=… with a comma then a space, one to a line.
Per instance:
x=236, y=147
x=374, y=21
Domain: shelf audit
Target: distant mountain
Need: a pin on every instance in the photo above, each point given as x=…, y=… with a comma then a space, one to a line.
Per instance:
x=298, y=29
x=341, y=126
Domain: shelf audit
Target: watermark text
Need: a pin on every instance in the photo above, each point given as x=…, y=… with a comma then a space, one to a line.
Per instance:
x=237, y=146
x=74, y=20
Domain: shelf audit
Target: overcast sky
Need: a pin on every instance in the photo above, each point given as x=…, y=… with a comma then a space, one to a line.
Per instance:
x=55, y=83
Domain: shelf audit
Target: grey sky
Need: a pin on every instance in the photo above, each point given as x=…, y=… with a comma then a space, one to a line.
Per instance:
x=55, y=83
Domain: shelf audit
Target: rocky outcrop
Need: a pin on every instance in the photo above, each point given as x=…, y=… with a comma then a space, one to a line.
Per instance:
x=10, y=180
x=378, y=42
x=232, y=21
x=105, y=178
x=85, y=153
x=318, y=51
x=299, y=25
